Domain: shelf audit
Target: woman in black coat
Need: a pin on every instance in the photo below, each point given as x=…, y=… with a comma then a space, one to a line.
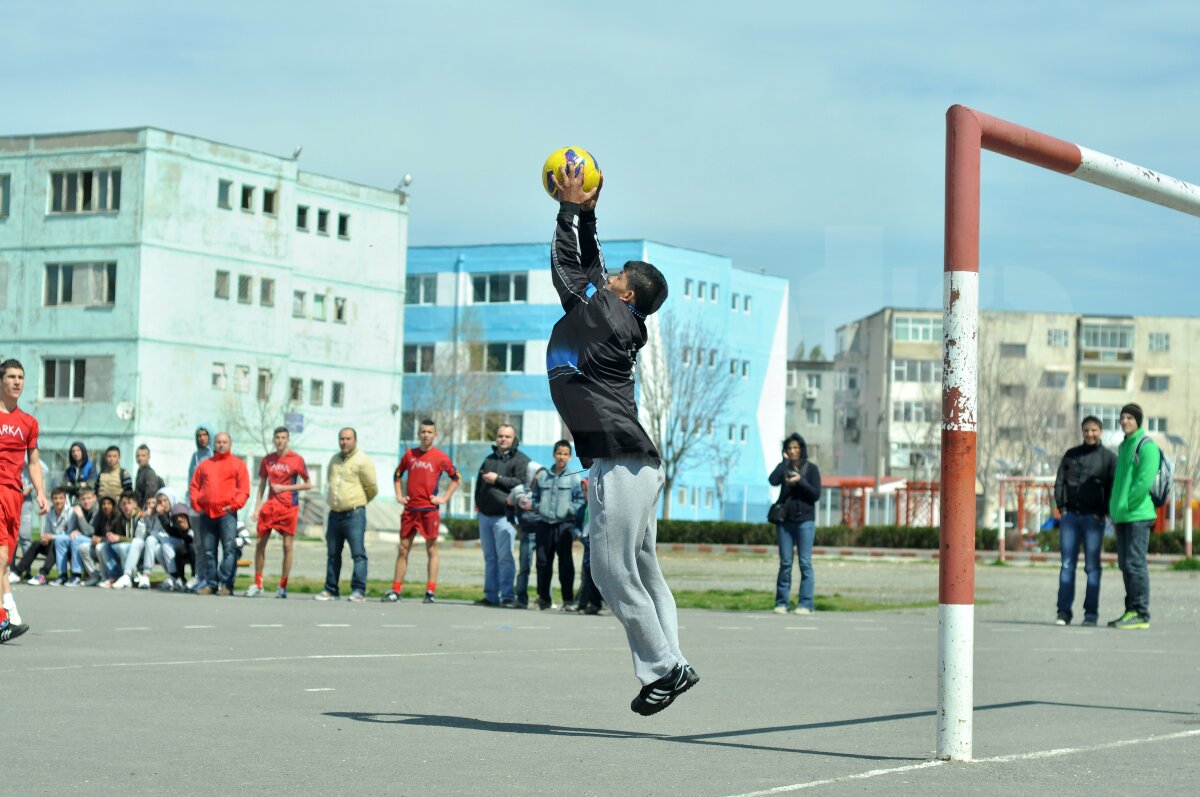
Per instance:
x=799, y=483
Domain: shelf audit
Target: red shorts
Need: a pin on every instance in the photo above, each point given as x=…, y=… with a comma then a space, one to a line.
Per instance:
x=426, y=522
x=10, y=519
x=274, y=516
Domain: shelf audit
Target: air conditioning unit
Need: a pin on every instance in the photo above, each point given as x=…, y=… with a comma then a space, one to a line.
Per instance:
x=811, y=393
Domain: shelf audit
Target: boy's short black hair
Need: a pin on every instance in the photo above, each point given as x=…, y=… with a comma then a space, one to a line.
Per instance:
x=282, y=429
x=562, y=444
x=58, y=491
x=112, y=448
x=128, y=494
x=428, y=422
x=648, y=284
x=11, y=363
x=1091, y=419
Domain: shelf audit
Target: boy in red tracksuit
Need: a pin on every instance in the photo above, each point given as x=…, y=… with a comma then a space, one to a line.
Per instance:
x=219, y=488
x=18, y=440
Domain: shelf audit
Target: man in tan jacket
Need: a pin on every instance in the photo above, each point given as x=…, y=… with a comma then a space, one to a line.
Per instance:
x=350, y=480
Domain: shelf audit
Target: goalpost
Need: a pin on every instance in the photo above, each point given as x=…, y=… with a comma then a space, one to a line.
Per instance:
x=968, y=132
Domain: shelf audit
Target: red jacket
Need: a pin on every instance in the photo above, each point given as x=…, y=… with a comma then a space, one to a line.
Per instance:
x=221, y=484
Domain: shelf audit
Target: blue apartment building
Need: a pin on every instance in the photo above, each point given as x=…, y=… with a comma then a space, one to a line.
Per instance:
x=490, y=309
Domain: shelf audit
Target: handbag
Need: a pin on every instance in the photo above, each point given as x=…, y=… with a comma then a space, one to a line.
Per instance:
x=778, y=512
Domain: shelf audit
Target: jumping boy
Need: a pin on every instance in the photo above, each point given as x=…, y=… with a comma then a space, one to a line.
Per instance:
x=18, y=440
x=419, y=497
x=590, y=361
x=285, y=476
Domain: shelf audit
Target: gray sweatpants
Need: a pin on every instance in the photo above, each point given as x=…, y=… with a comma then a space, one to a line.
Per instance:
x=623, y=497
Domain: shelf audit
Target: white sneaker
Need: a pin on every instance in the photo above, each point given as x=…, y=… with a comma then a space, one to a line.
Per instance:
x=253, y=590
x=124, y=582
x=105, y=584
x=780, y=610
x=14, y=616
x=143, y=581
x=802, y=610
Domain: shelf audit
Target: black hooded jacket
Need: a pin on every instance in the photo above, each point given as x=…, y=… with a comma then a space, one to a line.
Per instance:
x=593, y=348
x=1085, y=480
x=799, y=497
x=510, y=467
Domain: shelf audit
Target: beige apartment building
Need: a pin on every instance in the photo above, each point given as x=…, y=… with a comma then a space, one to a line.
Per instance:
x=1040, y=374
x=810, y=409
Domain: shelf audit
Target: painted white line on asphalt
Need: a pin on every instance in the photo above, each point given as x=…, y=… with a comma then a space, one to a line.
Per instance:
x=333, y=625
x=733, y=628
x=532, y=627
x=799, y=628
x=319, y=657
x=401, y=625
x=199, y=626
x=321, y=689
x=266, y=625
x=134, y=628
x=467, y=627
x=1001, y=759
x=64, y=631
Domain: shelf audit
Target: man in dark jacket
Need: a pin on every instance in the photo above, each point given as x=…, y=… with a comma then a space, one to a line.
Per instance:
x=147, y=484
x=799, y=483
x=502, y=470
x=1082, y=490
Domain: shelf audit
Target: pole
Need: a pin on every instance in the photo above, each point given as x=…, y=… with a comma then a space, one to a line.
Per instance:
x=960, y=340
x=1000, y=518
x=1187, y=522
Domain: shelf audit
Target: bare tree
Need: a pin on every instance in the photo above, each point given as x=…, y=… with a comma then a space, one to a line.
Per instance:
x=685, y=383
x=722, y=460
x=252, y=418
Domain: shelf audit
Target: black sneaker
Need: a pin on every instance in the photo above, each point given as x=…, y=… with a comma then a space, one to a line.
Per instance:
x=1089, y=622
x=1063, y=619
x=656, y=696
x=391, y=597
x=1132, y=622
x=11, y=631
x=593, y=608
x=429, y=598
x=484, y=602
x=508, y=604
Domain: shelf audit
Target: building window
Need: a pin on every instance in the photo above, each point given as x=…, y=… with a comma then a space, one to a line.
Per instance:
x=734, y=301
x=852, y=379
x=918, y=371
x=266, y=292
x=1057, y=338
x=420, y=289
x=298, y=302
x=493, y=288
x=708, y=498
x=1157, y=384
x=302, y=217
x=746, y=304
x=813, y=417
x=218, y=376
x=418, y=358
x=245, y=289
x=221, y=290
x=498, y=357
x=241, y=378
x=248, y=198
x=1015, y=351
x=316, y=392
x=812, y=381
x=686, y=356
x=716, y=293
x=687, y=288
x=1010, y=433
x=712, y=358
x=1054, y=379
x=745, y=434
x=270, y=202
x=745, y=369
x=482, y=426
x=225, y=194
x=265, y=383
x=917, y=328
x=1106, y=381
x=1156, y=425
x=81, y=284
x=733, y=367
x=1107, y=342
x=322, y=221
x=295, y=390
x=1160, y=341
x=339, y=309
x=701, y=289
x=1108, y=414
x=5, y=193
x=793, y=378
x=90, y=191
x=344, y=226
x=64, y=379
x=915, y=411
x=318, y=307
x=732, y=432
x=337, y=394
x=1015, y=391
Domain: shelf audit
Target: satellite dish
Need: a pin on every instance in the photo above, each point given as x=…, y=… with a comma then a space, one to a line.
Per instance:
x=125, y=410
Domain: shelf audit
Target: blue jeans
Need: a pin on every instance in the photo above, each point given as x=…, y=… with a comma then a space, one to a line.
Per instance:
x=221, y=529
x=114, y=555
x=496, y=537
x=800, y=537
x=1073, y=530
x=1132, y=542
x=526, y=537
x=341, y=528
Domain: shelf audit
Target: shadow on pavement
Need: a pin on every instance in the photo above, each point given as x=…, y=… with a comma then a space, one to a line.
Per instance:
x=708, y=739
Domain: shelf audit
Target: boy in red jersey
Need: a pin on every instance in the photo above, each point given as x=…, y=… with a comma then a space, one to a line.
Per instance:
x=18, y=439
x=424, y=466
x=286, y=475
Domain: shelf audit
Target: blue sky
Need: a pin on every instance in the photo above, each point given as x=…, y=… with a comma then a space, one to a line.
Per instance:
x=799, y=138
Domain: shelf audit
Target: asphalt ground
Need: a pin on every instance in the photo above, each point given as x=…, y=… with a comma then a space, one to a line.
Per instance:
x=164, y=693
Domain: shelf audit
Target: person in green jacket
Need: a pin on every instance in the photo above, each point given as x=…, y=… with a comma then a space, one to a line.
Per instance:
x=1133, y=514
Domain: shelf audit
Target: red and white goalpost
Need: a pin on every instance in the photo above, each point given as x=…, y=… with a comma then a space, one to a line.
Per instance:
x=968, y=132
